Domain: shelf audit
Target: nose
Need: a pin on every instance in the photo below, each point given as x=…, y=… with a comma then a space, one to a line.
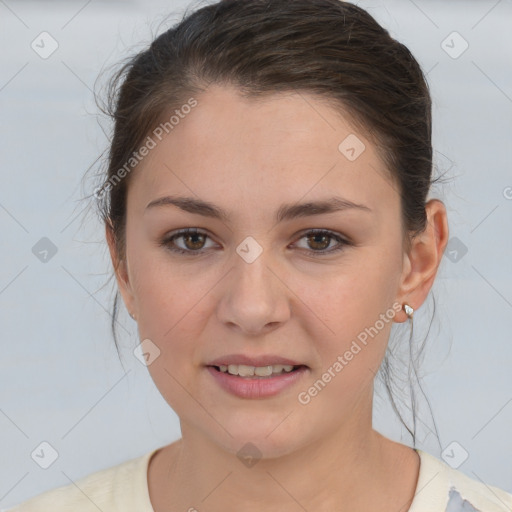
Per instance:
x=254, y=298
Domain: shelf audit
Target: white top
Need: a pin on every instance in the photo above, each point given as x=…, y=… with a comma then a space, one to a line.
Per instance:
x=124, y=488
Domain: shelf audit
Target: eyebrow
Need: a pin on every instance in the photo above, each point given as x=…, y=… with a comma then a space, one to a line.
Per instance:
x=285, y=212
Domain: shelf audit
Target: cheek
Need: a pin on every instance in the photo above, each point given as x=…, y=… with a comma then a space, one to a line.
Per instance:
x=165, y=290
x=172, y=316
x=353, y=294
x=171, y=305
x=355, y=311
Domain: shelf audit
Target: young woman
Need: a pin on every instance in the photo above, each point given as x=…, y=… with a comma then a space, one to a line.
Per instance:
x=266, y=211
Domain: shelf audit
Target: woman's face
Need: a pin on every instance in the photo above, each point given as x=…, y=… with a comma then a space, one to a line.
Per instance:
x=258, y=283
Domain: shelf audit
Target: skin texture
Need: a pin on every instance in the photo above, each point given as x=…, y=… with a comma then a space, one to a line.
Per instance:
x=249, y=157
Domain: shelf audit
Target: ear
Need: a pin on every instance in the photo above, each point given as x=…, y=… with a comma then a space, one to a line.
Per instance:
x=423, y=258
x=121, y=271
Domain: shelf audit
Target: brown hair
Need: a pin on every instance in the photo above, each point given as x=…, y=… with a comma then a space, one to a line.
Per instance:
x=329, y=48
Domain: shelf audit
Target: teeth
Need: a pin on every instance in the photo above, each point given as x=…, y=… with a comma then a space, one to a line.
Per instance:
x=259, y=371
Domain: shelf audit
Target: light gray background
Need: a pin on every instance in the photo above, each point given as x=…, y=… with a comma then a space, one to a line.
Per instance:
x=61, y=380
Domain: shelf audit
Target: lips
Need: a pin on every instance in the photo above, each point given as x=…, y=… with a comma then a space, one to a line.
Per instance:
x=262, y=360
x=257, y=387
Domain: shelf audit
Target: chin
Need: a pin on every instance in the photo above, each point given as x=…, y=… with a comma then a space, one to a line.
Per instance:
x=260, y=439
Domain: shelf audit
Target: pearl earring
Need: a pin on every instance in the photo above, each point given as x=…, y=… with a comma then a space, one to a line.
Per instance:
x=408, y=310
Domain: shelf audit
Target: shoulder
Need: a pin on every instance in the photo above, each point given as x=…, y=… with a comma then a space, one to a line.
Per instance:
x=441, y=488
x=122, y=487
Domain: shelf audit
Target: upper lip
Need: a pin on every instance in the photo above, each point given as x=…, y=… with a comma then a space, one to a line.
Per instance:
x=263, y=360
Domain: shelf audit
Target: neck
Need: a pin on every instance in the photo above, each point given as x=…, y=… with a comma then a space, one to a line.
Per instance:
x=344, y=471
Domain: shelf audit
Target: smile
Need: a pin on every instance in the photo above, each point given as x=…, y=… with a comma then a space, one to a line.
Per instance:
x=256, y=381
x=244, y=370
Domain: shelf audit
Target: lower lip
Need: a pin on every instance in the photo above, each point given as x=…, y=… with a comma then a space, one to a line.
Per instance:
x=247, y=387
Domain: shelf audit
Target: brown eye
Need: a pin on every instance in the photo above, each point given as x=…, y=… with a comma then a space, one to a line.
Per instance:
x=193, y=242
x=196, y=240
x=318, y=241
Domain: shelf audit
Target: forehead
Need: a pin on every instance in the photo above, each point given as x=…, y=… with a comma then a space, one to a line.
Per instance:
x=279, y=148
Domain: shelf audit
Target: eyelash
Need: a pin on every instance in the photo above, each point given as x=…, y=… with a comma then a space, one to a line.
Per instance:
x=168, y=241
